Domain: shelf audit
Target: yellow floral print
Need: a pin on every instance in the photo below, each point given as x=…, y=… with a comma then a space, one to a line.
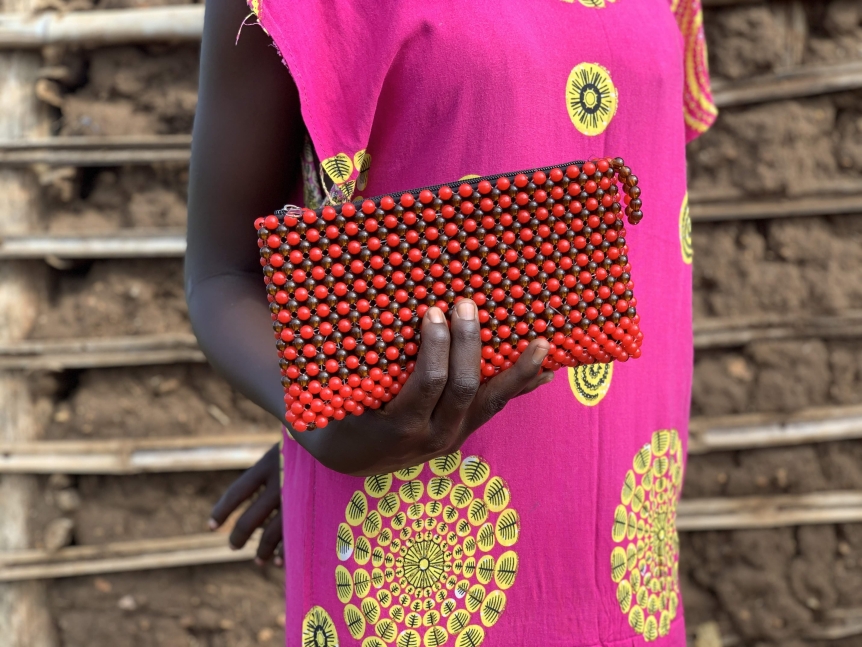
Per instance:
x=698, y=106
x=347, y=174
x=685, y=232
x=591, y=98
x=338, y=167
x=362, y=162
x=590, y=383
x=595, y=4
x=318, y=629
x=426, y=576
x=644, y=561
x=257, y=8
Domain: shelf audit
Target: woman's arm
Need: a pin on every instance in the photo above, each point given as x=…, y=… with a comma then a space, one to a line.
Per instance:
x=245, y=160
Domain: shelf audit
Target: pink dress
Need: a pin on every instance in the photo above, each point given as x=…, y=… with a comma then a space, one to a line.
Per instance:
x=555, y=523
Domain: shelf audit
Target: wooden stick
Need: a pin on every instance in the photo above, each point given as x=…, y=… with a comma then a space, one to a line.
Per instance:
x=185, y=23
x=790, y=84
x=57, y=355
x=729, y=333
x=101, y=151
x=759, y=430
x=839, y=623
x=120, y=557
x=138, y=350
x=240, y=450
x=835, y=631
x=142, y=243
x=135, y=456
x=123, y=26
x=727, y=3
x=693, y=515
x=847, y=200
x=96, y=151
x=739, y=513
x=113, y=549
x=106, y=151
x=747, y=209
x=100, y=28
x=25, y=619
x=133, y=243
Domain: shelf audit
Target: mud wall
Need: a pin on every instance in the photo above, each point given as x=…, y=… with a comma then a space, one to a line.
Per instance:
x=761, y=587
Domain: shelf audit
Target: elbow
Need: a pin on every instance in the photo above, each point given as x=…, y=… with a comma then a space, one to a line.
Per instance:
x=198, y=281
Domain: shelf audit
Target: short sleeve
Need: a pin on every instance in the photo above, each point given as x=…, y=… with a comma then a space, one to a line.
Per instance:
x=338, y=53
x=699, y=109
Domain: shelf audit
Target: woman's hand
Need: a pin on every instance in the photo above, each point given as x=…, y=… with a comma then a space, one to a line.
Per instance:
x=264, y=512
x=438, y=408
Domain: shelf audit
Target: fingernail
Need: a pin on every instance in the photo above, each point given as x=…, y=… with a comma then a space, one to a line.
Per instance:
x=539, y=354
x=435, y=315
x=258, y=561
x=467, y=310
x=232, y=547
x=278, y=561
x=212, y=524
x=548, y=377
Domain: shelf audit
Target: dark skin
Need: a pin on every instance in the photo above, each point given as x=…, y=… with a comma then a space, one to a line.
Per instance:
x=247, y=140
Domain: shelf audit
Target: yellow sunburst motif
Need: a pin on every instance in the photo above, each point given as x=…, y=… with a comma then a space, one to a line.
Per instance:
x=318, y=630
x=435, y=569
x=590, y=383
x=685, y=232
x=591, y=98
x=644, y=561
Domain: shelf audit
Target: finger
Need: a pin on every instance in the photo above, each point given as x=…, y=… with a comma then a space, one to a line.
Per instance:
x=254, y=516
x=496, y=393
x=241, y=489
x=278, y=560
x=270, y=540
x=465, y=353
x=420, y=393
x=543, y=378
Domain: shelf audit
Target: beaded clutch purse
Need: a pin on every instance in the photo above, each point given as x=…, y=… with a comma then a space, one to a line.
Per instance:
x=541, y=252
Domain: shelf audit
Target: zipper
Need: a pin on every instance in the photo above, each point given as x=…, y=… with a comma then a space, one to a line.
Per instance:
x=435, y=187
x=493, y=176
